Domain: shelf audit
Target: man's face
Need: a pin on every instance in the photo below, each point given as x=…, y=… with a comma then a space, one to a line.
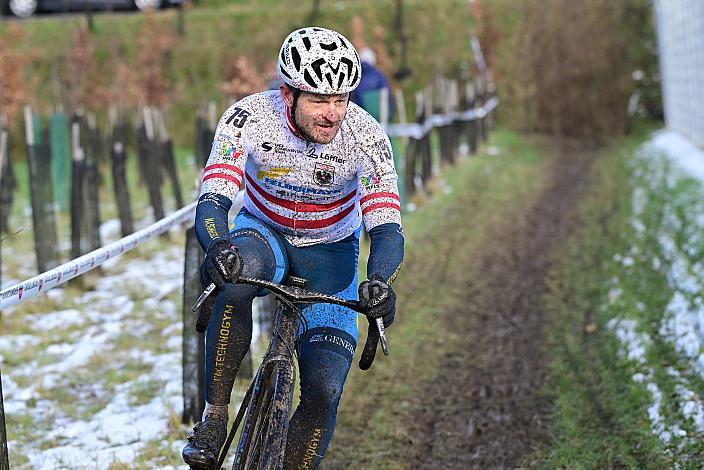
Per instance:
x=318, y=116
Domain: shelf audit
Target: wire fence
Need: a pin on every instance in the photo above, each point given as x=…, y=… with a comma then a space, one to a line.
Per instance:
x=680, y=32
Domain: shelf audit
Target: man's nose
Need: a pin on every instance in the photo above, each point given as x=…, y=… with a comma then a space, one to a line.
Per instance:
x=330, y=113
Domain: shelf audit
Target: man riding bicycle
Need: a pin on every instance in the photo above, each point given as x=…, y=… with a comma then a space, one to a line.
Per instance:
x=316, y=167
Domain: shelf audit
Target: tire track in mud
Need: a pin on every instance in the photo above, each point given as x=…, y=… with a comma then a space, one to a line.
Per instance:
x=487, y=408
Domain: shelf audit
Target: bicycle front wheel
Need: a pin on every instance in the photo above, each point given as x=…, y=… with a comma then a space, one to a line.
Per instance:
x=263, y=440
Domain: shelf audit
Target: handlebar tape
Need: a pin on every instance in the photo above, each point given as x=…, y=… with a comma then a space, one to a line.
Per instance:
x=365, y=362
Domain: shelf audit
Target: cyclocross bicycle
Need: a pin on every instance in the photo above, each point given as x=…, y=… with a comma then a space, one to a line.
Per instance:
x=266, y=406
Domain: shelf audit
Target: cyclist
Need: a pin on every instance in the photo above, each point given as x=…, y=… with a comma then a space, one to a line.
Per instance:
x=316, y=167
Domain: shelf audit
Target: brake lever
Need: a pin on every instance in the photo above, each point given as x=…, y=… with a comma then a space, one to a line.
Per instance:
x=208, y=290
x=382, y=336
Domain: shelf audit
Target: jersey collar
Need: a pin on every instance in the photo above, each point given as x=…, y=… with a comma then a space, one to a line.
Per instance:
x=292, y=125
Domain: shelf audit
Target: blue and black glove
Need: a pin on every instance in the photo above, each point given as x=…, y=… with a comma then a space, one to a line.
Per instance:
x=222, y=264
x=378, y=299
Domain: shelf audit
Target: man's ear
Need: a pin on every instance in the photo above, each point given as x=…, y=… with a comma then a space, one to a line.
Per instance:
x=287, y=95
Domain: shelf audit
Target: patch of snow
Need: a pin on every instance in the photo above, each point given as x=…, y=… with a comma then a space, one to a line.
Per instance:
x=18, y=342
x=681, y=151
x=493, y=150
x=110, y=230
x=61, y=319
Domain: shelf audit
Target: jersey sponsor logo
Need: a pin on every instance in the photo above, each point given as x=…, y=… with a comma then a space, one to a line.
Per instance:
x=279, y=148
x=238, y=117
x=275, y=172
x=310, y=152
x=370, y=181
x=300, y=189
x=323, y=174
x=228, y=151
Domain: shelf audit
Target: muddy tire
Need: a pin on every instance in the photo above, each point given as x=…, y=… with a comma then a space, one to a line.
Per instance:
x=263, y=439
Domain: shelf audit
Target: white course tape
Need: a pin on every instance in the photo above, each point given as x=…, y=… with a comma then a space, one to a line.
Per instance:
x=13, y=295
x=418, y=131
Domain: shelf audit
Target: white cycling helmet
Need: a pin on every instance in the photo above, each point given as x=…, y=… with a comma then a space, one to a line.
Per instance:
x=319, y=60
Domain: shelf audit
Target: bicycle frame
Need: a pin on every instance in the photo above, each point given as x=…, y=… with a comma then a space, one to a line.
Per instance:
x=278, y=365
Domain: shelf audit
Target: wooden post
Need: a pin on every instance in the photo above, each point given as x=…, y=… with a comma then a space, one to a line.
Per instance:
x=77, y=186
x=42, y=196
x=472, y=126
x=92, y=183
x=3, y=156
x=427, y=150
x=413, y=149
x=181, y=20
x=150, y=164
x=168, y=160
x=193, y=343
x=4, y=457
x=7, y=179
x=481, y=99
x=119, y=177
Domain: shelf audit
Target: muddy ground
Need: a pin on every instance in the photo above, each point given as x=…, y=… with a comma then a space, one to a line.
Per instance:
x=488, y=407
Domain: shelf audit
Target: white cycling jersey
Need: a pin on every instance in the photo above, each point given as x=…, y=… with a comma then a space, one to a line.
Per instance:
x=311, y=193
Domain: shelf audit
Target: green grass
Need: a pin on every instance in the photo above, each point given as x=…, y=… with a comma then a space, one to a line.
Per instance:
x=601, y=413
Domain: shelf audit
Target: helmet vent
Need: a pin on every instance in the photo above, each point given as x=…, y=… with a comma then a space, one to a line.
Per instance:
x=341, y=80
x=317, y=66
x=329, y=77
x=356, y=75
x=306, y=42
x=296, y=58
x=328, y=47
x=348, y=63
x=309, y=80
x=283, y=71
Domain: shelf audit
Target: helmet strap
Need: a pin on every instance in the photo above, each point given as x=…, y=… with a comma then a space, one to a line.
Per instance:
x=296, y=94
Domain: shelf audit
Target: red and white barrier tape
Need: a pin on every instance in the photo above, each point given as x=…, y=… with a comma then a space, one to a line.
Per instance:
x=13, y=295
x=418, y=131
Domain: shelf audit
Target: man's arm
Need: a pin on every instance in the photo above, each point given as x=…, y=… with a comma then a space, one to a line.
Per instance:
x=381, y=210
x=222, y=177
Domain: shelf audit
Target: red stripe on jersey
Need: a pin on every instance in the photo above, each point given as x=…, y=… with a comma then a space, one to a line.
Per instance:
x=381, y=205
x=224, y=166
x=298, y=224
x=225, y=176
x=299, y=207
x=378, y=195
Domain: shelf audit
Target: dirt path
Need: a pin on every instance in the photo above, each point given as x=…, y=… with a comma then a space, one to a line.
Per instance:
x=487, y=409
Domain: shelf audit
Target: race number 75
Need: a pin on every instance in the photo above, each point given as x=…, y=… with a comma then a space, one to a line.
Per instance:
x=238, y=117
